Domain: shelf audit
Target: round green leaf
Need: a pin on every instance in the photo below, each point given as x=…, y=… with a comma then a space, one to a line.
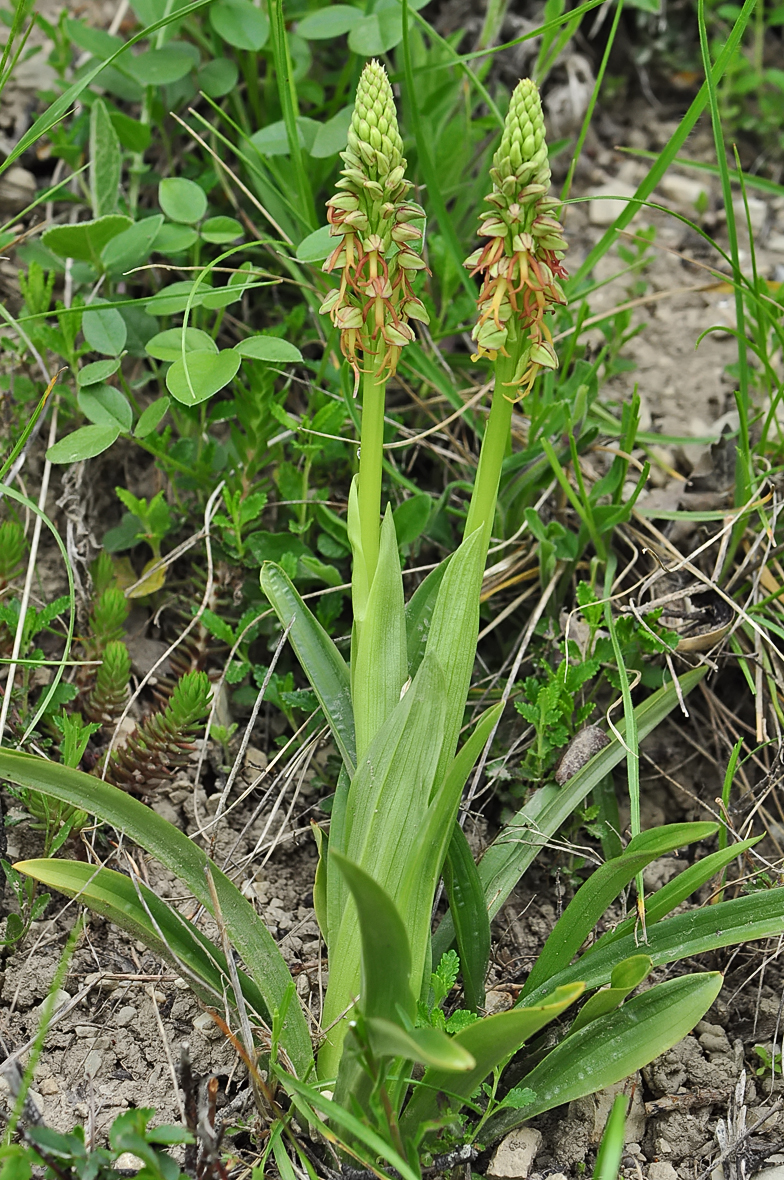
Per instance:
x=316, y=246
x=133, y=246
x=411, y=517
x=332, y=136
x=104, y=328
x=377, y=33
x=173, y=239
x=207, y=371
x=240, y=24
x=269, y=348
x=217, y=77
x=174, y=298
x=85, y=241
x=96, y=372
x=167, y=346
x=332, y=21
x=84, y=443
x=221, y=230
x=161, y=67
x=105, y=405
x=181, y=199
x=151, y=417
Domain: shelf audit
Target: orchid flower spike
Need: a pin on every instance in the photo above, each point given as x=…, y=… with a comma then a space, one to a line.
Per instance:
x=377, y=253
x=521, y=263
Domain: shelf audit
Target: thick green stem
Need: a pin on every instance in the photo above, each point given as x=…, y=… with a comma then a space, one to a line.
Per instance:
x=481, y=511
x=371, y=453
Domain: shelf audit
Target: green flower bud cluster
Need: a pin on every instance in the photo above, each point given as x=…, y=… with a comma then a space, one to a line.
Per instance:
x=521, y=263
x=377, y=252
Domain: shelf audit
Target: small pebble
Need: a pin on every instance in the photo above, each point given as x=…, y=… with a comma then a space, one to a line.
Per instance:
x=125, y=1016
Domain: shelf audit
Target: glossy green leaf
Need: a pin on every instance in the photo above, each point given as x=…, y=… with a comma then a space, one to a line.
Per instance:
x=84, y=443
x=452, y=638
x=133, y=246
x=143, y=915
x=603, y=886
x=628, y=975
x=182, y=200
x=105, y=405
x=386, y=957
x=202, y=374
x=427, y=1046
x=670, y=896
x=419, y=613
x=316, y=246
x=151, y=417
x=682, y=936
x=378, y=653
x=469, y=910
x=329, y=22
x=610, y=1154
x=167, y=346
x=240, y=24
x=186, y=860
x=104, y=328
x=519, y=841
x=96, y=373
x=221, y=230
x=84, y=242
x=389, y=794
x=161, y=67
x=105, y=161
x=320, y=659
x=615, y=1046
x=269, y=348
x=308, y=1099
x=490, y=1042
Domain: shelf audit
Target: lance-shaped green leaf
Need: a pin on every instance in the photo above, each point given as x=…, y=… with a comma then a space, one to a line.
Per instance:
x=625, y=978
x=419, y=614
x=520, y=841
x=601, y=889
x=187, y=861
x=321, y=661
x=490, y=1042
x=307, y=1100
x=670, y=896
x=141, y=913
x=683, y=936
x=614, y=1046
x=386, y=957
x=469, y=911
x=386, y=811
x=426, y=857
x=610, y=1153
x=452, y=638
x=427, y=1046
x=379, y=666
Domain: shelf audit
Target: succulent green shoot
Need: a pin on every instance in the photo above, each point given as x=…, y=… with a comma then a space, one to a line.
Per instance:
x=521, y=263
